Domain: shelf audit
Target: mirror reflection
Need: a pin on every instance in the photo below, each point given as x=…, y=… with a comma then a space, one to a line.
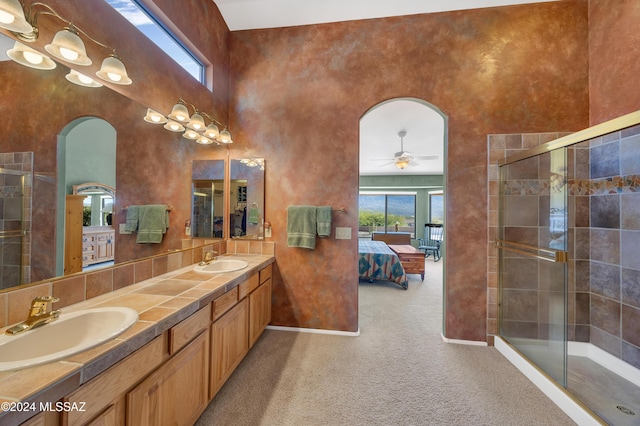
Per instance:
x=207, y=217
x=246, y=198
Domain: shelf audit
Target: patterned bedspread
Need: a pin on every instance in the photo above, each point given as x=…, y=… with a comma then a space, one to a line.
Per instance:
x=378, y=262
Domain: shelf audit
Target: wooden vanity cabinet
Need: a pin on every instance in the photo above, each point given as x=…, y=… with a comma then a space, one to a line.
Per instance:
x=260, y=306
x=229, y=344
x=177, y=392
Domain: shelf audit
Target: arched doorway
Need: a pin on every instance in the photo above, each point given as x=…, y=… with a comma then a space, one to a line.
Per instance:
x=402, y=161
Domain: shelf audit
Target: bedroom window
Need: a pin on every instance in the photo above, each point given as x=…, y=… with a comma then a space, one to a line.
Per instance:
x=157, y=32
x=393, y=212
x=436, y=207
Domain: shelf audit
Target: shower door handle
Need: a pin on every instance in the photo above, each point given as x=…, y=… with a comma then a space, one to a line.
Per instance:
x=550, y=255
x=16, y=233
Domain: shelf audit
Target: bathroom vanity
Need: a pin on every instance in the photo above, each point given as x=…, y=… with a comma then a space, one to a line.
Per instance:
x=193, y=331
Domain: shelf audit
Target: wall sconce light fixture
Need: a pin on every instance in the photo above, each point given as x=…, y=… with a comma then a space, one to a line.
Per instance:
x=253, y=162
x=193, y=125
x=66, y=45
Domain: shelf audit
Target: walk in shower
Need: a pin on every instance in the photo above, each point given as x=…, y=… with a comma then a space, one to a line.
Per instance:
x=569, y=264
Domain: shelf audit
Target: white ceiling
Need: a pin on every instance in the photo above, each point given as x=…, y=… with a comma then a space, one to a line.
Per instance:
x=253, y=14
x=378, y=129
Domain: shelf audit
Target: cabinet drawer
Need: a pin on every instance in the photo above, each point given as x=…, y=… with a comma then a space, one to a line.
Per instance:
x=225, y=302
x=87, y=248
x=248, y=286
x=183, y=332
x=88, y=238
x=265, y=273
x=103, y=237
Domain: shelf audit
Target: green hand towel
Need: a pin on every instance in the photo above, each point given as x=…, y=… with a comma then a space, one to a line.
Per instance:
x=323, y=216
x=132, y=219
x=253, y=215
x=153, y=221
x=301, y=227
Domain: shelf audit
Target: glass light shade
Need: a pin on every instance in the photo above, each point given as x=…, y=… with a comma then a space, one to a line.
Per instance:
x=68, y=46
x=190, y=134
x=196, y=122
x=29, y=57
x=212, y=131
x=154, y=117
x=12, y=17
x=81, y=80
x=401, y=163
x=113, y=70
x=179, y=112
x=204, y=141
x=225, y=137
x=174, y=126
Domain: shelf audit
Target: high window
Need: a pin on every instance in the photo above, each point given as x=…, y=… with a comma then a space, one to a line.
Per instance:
x=387, y=213
x=157, y=32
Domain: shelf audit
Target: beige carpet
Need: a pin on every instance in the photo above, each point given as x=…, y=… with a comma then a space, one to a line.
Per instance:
x=397, y=372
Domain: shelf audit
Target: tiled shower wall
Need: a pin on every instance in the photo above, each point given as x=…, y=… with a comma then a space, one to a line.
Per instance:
x=15, y=209
x=606, y=192
x=604, y=238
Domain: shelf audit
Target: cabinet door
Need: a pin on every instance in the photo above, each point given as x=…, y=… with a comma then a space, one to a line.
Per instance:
x=73, y=234
x=229, y=344
x=176, y=393
x=259, y=311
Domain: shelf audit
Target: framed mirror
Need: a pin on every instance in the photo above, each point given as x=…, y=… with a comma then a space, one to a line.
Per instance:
x=246, y=198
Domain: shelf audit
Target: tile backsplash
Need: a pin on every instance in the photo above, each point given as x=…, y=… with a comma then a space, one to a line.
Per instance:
x=14, y=304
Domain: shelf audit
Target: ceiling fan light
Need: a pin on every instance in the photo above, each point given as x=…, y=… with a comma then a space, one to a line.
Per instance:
x=401, y=163
x=24, y=55
x=68, y=46
x=12, y=17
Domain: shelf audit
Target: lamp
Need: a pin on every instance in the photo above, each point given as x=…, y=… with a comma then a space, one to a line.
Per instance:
x=12, y=17
x=194, y=127
x=81, y=80
x=154, y=117
x=402, y=162
x=29, y=57
x=66, y=45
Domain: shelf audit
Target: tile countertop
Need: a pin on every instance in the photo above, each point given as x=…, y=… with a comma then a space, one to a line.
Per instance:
x=161, y=302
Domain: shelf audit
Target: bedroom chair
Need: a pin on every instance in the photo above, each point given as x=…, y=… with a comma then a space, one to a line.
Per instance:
x=432, y=240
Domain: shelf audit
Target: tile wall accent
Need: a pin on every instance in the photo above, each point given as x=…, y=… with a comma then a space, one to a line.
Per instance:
x=80, y=287
x=15, y=214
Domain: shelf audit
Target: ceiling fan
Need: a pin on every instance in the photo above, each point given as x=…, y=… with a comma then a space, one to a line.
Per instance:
x=404, y=158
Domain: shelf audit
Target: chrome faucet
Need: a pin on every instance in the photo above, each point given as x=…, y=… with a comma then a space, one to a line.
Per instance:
x=208, y=258
x=38, y=315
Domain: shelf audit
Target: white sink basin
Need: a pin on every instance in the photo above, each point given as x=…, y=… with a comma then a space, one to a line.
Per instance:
x=222, y=265
x=70, y=334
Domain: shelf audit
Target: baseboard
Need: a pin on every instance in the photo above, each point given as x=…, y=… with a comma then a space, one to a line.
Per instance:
x=557, y=394
x=315, y=331
x=462, y=342
x=608, y=361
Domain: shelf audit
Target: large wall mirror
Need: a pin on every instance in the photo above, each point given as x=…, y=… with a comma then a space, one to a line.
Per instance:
x=207, y=219
x=151, y=166
x=246, y=198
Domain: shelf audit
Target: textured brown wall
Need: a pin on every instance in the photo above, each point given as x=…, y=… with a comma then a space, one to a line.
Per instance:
x=152, y=165
x=297, y=97
x=614, y=58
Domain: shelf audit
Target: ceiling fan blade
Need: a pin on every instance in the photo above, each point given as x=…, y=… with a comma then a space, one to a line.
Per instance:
x=427, y=157
x=382, y=159
x=386, y=164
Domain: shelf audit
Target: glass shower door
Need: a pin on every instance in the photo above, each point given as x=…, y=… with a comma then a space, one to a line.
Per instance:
x=11, y=229
x=532, y=246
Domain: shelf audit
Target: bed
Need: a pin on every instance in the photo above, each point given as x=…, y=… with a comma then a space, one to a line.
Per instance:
x=378, y=262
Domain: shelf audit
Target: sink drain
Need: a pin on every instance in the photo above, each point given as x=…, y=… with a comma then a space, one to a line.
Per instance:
x=625, y=410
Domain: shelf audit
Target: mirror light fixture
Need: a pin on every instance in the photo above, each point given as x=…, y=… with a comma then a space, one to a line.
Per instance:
x=253, y=162
x=66, y=45
x=193, y=125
